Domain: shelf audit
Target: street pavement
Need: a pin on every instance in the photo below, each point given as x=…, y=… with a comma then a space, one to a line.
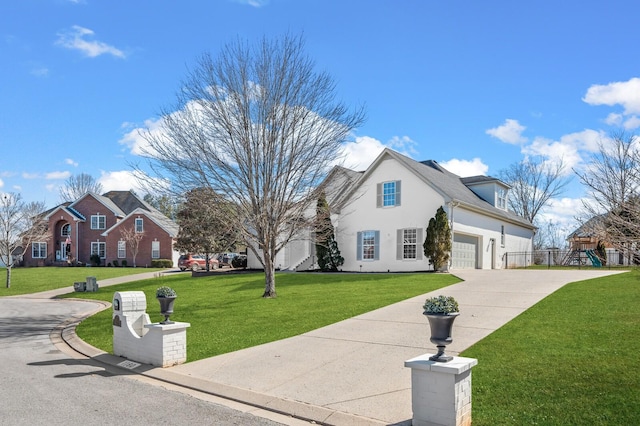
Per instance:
x=352, y=372
x=44, y=384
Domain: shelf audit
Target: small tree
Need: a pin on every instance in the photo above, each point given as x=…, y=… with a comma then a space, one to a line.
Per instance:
x=437, y=244
x=327, y=251
x=207, y=223
x=21, y=224
x=132, y=239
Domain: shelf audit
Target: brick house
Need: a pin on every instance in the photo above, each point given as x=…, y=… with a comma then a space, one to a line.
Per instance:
x=93, y=224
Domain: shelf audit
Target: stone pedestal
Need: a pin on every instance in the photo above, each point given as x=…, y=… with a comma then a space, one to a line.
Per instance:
x=441, y=392
x=137, y=339
x=166, y=344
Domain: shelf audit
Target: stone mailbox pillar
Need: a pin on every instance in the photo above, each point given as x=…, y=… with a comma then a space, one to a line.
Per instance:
x=441, y=391
x=137, y=339
x=92, y=284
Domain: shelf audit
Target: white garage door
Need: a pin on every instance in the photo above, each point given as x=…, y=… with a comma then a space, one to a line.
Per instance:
x=465, y=252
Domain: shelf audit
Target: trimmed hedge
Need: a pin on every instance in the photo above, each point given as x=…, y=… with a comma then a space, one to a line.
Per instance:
x=161, y=263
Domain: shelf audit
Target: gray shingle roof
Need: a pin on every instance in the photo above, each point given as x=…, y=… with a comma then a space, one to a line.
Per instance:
x=451, y=187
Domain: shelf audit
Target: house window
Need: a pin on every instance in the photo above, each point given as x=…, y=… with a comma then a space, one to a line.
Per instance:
x=139, y=227
x=501, y=198
x=155, y=249
x=38, y=250
x=408, y=241
x=98, y=221
x=368, y=245
x=388, y=194
x=122, y=249
x=65, y=231
x=502, y=236
x=100, y=249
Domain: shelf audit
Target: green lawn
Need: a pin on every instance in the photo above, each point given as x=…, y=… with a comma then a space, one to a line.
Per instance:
x=572, y=359
x=34, y=280
x=227, y=312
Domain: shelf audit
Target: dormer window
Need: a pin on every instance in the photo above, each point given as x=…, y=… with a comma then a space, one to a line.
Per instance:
x=501, y=198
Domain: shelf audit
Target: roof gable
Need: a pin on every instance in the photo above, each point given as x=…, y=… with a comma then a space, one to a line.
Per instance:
x=449, y=185
x=169, y=226
x=102, y=200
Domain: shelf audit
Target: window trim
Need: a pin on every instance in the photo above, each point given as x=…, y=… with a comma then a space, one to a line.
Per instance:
x=402, y=244
x=135, y=225
x=98, y=218
x=122, y=249
x=99, y=244
x=501, y=198
x=361, y=246
x=40, y=244
x=155, y=252
x=63, y=227
x=502, y=236
x=380, y=195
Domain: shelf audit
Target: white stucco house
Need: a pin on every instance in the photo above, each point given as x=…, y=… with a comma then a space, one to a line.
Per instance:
x=381, y=215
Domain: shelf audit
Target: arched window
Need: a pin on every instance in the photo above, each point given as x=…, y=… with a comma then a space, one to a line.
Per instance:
x=65, y=231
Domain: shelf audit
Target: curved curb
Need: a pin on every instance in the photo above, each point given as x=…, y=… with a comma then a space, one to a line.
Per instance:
x=65, y=338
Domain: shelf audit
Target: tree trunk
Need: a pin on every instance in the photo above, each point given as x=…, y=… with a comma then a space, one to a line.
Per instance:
x=269, y=277
x=8, y=276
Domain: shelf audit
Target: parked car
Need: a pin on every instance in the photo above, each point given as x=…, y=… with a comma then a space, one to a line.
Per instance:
x=196, y=262
x=225, y=259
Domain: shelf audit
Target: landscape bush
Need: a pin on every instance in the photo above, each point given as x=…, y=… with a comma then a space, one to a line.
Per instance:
x=161, y=263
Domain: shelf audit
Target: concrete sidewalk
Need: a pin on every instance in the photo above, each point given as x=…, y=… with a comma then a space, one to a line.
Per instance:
x=352, y=372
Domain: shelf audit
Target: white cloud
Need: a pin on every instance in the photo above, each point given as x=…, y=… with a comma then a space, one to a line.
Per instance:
x=465, y=168
x=625, y=93
x=254, y=3
x=509, y=132
x=569, y=149
x=26, y=175
x=70, y=162
x=76, y=39
x=359, y=155
x=632, y=122
x=613, y=119
x=1, y=183
x=134, y=140
x=57, y=175
x=40, y=72
x=125, y=180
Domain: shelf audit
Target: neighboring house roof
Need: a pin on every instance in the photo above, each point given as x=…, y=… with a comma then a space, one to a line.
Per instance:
x=169, y=226
x=122, y=204
x=127, y=201
x=587, y=229
x=66, y=208
x=450, y=186
x=475, y=180
x=342, y=179
x=107, y=202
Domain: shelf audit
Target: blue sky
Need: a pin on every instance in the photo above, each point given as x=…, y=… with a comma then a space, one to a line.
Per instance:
x=475, y=86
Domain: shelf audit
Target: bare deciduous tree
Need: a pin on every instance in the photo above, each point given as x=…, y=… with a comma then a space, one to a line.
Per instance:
x=132, y=239
x=260, y=126
x=612, y=179
x=78, y=185
x=21, y=224
x=533, y=182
